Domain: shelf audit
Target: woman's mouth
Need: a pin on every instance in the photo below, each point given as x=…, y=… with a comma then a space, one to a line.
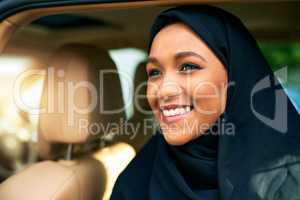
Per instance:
x=174, y=113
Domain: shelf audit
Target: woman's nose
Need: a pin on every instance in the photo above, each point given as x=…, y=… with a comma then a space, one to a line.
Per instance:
x=169, y=89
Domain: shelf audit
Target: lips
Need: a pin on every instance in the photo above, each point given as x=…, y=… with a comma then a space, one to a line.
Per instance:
x=173, y=113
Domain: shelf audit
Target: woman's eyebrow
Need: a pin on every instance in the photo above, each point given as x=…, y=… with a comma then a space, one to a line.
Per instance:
x=152, y=60
x=188, y=53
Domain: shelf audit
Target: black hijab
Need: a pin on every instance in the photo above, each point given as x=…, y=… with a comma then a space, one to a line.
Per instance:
x=256, y=153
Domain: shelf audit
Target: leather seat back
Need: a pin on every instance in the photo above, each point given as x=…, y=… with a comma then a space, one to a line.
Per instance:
x=81, y=87
x=49, y=180
x=75, y=68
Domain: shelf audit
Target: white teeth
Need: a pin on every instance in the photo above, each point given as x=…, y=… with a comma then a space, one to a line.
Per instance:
x=176, y=111
x=166, y=112
x=182, y=110
x=172, y=112
x=188, y=108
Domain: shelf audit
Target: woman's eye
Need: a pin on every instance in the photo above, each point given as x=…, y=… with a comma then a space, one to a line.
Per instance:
x=186, y=67
x=153, y=73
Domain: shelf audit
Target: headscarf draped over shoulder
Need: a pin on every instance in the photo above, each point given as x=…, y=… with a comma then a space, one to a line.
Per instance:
x=256, y=154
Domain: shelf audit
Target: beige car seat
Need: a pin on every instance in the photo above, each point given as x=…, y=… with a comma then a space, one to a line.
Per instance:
x=67, y=119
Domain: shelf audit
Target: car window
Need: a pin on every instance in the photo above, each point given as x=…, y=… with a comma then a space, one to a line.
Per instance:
x=18, y=129
x=127, y=59
x=284, y=58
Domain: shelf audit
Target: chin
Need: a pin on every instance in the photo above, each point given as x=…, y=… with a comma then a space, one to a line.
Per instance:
x=176, y=139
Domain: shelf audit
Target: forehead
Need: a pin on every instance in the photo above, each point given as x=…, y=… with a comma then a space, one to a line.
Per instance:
x=175, y=38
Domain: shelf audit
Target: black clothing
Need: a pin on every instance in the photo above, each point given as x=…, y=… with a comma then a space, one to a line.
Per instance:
x=260, y=159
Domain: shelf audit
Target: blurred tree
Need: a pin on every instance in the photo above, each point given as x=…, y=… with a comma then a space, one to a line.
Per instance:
x=281, y=54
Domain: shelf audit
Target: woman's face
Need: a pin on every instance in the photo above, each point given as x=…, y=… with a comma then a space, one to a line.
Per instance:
x=186, y=84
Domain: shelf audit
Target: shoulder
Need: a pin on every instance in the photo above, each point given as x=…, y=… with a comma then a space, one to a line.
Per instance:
x=135, y=178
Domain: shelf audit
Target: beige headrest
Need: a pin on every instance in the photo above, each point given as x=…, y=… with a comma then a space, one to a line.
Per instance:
x=48, y=180
x=74, y=93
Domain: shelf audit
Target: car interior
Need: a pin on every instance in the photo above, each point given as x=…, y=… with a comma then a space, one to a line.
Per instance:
x=56, y=61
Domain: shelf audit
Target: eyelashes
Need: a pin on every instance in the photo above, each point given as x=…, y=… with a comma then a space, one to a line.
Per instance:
x=153, y=73
x=184, y=68
x=189, y=67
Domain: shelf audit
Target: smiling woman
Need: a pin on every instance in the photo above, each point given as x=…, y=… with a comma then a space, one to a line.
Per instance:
x=187, y=84
x=205, y=69
x=220, y=115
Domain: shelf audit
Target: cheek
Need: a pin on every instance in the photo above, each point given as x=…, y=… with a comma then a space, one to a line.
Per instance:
x=208, y=97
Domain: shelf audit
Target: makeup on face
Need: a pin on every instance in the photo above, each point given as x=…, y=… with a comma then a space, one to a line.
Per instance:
x=184, y=78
